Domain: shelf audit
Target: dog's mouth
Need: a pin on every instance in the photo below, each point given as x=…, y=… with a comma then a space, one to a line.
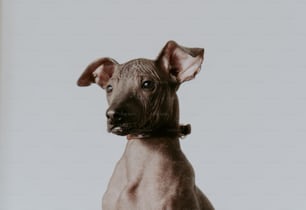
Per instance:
x=121, y=130
x=126, y=129
x=118, y=130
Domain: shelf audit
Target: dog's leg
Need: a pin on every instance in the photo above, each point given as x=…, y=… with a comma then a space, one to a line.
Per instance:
x=115, y=187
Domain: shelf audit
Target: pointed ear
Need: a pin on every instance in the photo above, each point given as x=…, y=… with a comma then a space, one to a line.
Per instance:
x=99, y=71
x=180, y=62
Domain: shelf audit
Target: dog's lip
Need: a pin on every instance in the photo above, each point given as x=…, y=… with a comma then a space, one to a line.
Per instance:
x=112, y=126
x=117, y=129
x=122, y=129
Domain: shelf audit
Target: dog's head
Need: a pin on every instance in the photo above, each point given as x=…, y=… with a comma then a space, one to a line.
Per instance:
x=141, y=93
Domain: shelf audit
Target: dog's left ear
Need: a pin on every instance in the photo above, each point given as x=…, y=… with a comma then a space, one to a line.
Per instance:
x=181, y=62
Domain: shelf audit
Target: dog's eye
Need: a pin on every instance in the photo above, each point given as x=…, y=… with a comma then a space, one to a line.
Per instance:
x=109, y=88
x=148, y=85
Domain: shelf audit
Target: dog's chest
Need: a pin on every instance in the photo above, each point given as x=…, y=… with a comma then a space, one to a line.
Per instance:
x=143, y=176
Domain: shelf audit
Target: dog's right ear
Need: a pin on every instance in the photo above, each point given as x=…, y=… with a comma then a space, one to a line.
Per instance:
x=99, y=71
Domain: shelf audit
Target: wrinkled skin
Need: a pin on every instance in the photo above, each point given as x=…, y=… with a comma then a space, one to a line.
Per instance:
x=137, y=91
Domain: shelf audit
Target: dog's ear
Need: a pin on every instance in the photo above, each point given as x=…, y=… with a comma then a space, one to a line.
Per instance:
x=99, y=71
x=181, y=62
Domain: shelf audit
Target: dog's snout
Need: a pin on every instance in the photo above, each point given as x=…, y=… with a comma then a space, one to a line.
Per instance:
x=116, y=116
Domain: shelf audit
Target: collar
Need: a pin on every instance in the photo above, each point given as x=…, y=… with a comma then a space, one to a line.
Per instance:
x=181, y=132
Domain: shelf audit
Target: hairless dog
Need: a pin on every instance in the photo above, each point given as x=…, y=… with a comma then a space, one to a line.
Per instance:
x=153, y=173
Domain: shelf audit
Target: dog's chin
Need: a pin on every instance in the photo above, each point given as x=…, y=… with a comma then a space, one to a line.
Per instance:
x=118, y=130
x=123, y=130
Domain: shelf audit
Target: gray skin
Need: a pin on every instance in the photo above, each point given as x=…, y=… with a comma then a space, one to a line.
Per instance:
x=153, y=173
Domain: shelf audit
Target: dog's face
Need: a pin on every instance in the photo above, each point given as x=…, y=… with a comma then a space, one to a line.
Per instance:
x=141, y=98
x=141, y=93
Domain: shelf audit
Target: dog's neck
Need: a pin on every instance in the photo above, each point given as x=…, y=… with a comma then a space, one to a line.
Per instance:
x=180, y=132
x=145, y=154
x=152, y=145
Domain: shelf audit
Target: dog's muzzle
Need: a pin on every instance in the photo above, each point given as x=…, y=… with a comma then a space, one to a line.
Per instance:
x=120, y=121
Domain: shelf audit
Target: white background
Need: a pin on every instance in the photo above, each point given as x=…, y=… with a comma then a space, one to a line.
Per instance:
x=246, y=107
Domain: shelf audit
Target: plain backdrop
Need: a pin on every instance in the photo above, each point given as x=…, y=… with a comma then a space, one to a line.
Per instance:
x=246, y=107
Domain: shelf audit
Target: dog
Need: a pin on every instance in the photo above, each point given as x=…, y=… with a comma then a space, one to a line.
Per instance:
x=153, y=173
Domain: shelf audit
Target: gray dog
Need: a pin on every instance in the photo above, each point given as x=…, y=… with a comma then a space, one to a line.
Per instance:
x=153, y=173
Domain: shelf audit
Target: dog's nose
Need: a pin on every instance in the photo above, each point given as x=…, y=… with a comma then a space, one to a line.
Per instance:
x=115, y=116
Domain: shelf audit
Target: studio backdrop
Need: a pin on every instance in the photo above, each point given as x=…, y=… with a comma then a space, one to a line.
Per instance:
x=246, y=106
